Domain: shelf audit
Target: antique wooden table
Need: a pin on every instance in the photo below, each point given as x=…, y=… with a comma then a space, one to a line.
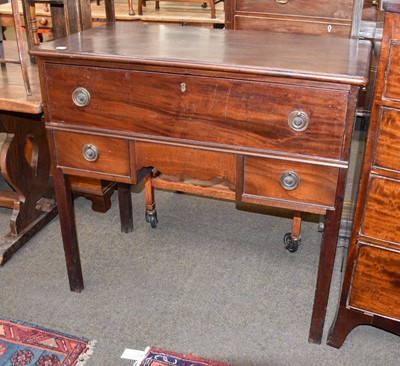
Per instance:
x=246, y=116
x=24, y=160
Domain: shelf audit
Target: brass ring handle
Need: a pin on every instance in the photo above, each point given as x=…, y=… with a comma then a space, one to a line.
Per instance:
x=90, y=152
x=289, y=180
x=81, y=97
x=282, y=1
x=298, y=121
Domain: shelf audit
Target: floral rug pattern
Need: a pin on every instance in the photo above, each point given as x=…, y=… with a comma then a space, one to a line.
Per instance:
x=26, y=344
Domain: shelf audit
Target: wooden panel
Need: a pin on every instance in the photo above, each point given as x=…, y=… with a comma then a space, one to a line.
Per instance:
x=194, y=166
x=317, y=184
x=113, y=156
x=376, y=281
x=382, y=213
x=212, y=110
x=392, y=86
x=285, y=25
x=342, y=9
x=388, y=143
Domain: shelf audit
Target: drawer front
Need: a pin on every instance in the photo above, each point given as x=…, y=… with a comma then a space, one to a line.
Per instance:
x=220, y=111
x=290, y=181
x=95, y=154
x=340, y=9
x=382, y=211
x=284, y=25
x=375, y=284
x=392, y=86
x=185, y=165
x=387, y=153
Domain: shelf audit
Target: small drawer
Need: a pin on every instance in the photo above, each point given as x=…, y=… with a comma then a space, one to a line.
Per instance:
x=392, y=86
x=96, y=154
x=285, y=25
x=339, y=9
x=381, y=216
x=187, y=165
x=234, y=113
x=290, y=181
x=388, y=141
x=375, y=285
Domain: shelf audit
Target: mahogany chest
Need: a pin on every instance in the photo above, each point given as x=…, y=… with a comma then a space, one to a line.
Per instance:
x=371, y=287
x=223, y=113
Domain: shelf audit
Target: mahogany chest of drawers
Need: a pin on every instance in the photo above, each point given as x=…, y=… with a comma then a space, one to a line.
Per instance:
x=333, y=18
x=371, y=287
x=224, y=113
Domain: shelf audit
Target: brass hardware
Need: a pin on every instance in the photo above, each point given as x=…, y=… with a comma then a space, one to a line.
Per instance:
x=375, y=2
x=298, y=121
x=289, y=180
x=81, y=97
x=90, y=152
x=43, y=21
x=282, y=1
x=183, y=87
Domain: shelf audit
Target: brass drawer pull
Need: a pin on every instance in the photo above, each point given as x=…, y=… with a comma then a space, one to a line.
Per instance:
x=289, y=180
x=90, y=152
x=282, y=1
x=81, y=97
x=298, y=121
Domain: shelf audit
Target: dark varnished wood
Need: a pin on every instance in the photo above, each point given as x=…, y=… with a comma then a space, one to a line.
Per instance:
x=206, y=109
x=125, y=207
x=371, y=285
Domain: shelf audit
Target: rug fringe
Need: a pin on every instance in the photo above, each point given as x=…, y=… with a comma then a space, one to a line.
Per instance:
x=89, y=352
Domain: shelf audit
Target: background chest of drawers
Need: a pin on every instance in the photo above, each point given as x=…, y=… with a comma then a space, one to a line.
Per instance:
x=216, y=112
x=294, y=16
x=371, y=288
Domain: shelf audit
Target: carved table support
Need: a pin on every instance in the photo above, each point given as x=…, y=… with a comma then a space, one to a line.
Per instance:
x=25, y=165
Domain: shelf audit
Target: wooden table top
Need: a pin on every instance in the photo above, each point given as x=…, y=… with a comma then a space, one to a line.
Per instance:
x=12, y=91
x=248, y=52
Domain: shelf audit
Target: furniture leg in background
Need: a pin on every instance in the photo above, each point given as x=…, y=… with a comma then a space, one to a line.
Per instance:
x=25, y=166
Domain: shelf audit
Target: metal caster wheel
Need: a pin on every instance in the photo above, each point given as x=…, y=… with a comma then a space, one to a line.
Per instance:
x=151, y=217
x=291, y=244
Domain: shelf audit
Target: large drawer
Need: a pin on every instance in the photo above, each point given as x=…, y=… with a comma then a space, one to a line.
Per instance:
x=94, y=156
x=219, y=111
x=387, y=153
x=340, y=9
x=375, y=285
x=290, y=182
x=381, y=218
x=285, y=25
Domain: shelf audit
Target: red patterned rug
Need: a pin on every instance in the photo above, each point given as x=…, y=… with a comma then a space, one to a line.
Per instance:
x=159, y=357
x=26, y=344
